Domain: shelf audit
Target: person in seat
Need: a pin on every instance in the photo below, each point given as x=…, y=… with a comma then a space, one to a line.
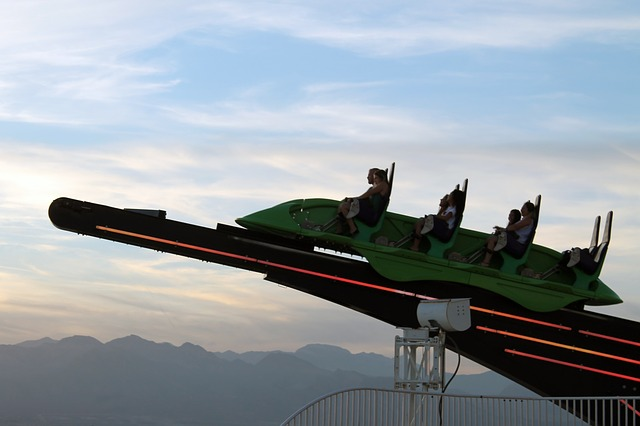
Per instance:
x=371, y=204
x=514, y=216
x=346, y=203
x=443, y=222
x=517, y=234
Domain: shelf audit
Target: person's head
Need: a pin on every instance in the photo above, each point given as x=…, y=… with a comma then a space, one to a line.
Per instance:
x=444, y=201
x=527, y=208
x=514, y=216
x=379, y=176
x=370, y=175
x=455, y=198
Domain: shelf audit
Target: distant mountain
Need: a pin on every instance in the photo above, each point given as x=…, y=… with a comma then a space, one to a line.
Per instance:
x=335, y=358
x=486, y=384
x=79, y=380
x=36, y=343
x=328, y=357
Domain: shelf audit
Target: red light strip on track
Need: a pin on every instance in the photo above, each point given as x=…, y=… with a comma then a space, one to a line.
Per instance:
x=570, y=364
x=630, y=407
x=558, y=345
x=615, y=339
x=261, y=262
x=319, y=274
x=520, y=318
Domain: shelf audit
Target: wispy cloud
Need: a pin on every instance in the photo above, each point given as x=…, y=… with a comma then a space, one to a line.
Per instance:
x=325, y=121
x=413, y=29
x=560, y=95
x=97, y=103
x=342, y=86
x=66, y=50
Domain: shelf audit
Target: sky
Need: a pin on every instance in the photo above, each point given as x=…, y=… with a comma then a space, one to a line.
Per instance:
x=212, y=110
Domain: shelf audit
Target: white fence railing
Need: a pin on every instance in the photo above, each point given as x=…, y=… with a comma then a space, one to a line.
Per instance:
x=377, y=407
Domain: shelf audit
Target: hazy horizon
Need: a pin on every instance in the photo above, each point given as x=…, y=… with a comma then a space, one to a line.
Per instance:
x=211, y=110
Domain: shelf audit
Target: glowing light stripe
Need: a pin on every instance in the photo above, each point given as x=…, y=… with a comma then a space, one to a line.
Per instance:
x=604, y=336
x=630, y=407
x=261, y=262
x=309, y=272
x=521, y=318
x=558, y=345
x=570, y=364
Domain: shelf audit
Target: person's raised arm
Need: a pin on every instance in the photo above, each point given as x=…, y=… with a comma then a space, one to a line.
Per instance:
x=445, y=216
x=525, y=221
x=373, y=190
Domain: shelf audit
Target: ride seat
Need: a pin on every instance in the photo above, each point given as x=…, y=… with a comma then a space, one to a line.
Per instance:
x=438, y=247
x=587, y=263
x=366, y=232
x=511, y=262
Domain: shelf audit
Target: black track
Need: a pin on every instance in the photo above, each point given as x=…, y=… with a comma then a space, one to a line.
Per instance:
x=570, y=352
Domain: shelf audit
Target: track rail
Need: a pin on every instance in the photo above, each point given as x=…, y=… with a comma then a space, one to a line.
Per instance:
x=570, y=352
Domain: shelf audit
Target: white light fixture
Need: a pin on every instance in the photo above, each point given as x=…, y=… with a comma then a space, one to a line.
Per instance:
x=446, y=314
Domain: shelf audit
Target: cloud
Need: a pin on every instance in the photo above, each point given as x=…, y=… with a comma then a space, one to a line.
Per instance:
x=375, y=28
x=342, y=86
x=327, y=122
x=94, y=107
x=72, y=50
x=81, y=285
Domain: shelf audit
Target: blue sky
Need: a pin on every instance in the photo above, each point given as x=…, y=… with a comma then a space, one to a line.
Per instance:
x=212, y=110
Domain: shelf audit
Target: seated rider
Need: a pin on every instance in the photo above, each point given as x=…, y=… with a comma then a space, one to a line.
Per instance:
x=582, y=257
x=346, y=204
x=517, y=234
x=514, y=216
x=371, y=204
x=443, y=222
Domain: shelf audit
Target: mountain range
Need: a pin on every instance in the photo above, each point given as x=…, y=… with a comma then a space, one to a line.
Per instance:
x=79, y=380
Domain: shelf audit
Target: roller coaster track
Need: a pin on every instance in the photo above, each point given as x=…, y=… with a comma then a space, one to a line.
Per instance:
x=570, y=352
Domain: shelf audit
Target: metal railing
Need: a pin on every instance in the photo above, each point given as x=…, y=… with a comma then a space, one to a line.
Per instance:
x=378, y=407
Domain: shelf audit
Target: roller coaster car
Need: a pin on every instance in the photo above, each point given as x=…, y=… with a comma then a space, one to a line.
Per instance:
x=586, y=262
x=560, y=282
